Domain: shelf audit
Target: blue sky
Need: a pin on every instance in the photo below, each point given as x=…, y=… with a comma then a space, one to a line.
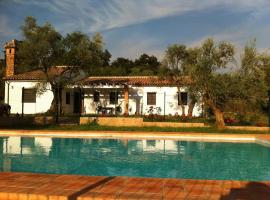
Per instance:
x=133, y=27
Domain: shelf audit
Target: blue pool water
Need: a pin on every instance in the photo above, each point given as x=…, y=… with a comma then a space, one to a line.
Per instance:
x=143, y=158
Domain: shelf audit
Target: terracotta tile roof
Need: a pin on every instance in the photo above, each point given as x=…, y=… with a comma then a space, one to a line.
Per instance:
x=37, y=74
x=128, y=80
x=95, y=80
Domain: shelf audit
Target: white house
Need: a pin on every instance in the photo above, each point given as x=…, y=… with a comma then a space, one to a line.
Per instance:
x=119, y=94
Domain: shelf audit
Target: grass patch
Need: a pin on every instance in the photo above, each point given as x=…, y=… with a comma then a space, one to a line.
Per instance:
x=96, y=127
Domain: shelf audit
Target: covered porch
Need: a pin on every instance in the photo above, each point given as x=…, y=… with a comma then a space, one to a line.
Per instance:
x=105, y=96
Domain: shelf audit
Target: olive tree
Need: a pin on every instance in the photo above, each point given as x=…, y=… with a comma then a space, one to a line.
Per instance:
x=174, y=64
x=179, y=62
x=209, y=81
x=44, y=48
x=255, y=72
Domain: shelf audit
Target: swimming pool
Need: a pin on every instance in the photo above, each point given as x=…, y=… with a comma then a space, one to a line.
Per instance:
x=142, y=158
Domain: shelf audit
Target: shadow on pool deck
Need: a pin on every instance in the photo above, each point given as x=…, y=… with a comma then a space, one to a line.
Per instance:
x=252, y=191
x=75, y=195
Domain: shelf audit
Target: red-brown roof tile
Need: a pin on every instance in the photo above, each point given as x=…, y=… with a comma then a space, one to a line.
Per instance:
x=95, y=80
x=37, y=74
x=128, y=80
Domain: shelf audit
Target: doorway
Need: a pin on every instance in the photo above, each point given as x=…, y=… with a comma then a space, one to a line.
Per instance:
x=77, y=103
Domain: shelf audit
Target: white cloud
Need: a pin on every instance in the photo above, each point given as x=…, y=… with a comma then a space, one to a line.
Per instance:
x=103, y=15
x=119, y=13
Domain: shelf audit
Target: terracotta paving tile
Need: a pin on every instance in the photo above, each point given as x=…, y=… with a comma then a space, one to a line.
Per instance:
x=214, y=197
x=3, y=196
x=173, y=183
x=26, y=186
x=152, y=188
x=207, y=188
x=13, y=196
x=178, y=195
x=136, y=196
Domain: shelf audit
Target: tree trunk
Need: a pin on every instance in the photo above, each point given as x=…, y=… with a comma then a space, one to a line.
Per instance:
x=54, y=101
x=56, y=105
x=220, y=124
x=183, y=110
x=219, y=118
x=191, y=106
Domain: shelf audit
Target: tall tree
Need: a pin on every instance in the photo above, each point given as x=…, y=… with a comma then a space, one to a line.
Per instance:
x=208, y=81
x=44, y=48
x=125, y=65
x=190, y=63
x=175, y=61
x=146, y=64
x=255, y=68
x=106, y=58
x=80, y=51
x=41, y=46
x=41, y=49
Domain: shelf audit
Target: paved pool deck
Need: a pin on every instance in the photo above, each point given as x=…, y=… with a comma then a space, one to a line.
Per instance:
x=29, y=186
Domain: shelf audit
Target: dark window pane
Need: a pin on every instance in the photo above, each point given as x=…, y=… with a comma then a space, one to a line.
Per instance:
x=96, y=96
x=151, y=98
x=113, y=97
x=150, y=143
x=27, y=142
x=67, y=97
x=182, y=98
x=29, y=95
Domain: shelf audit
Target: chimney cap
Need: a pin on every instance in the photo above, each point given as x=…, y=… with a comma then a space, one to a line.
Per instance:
x=11, y=44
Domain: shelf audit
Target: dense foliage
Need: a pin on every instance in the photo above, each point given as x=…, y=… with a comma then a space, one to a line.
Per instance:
x=242, y=91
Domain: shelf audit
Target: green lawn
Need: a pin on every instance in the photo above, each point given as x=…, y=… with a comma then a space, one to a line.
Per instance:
x=95, y=127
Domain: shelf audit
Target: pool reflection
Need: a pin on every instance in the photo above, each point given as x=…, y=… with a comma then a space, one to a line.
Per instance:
x=147, y=158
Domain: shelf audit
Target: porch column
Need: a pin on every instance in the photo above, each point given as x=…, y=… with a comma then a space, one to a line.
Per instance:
x=126, y=93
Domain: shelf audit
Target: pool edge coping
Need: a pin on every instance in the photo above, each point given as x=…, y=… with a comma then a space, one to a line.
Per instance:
x=211, y=137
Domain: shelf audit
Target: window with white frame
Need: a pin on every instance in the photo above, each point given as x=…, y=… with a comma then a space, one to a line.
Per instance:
x=29, y=95
x=151, y=98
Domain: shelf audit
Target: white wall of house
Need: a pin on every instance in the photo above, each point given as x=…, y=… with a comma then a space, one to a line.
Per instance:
x=13, y=96
x=89, y=104
x=138, y=100
x=166, y=100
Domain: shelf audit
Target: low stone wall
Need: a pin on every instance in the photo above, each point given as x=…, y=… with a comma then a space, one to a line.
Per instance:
x=87, y=120
x=173, y=124
x=248, y=128
x=119, y=121
x=127, y=121
x=43, y=120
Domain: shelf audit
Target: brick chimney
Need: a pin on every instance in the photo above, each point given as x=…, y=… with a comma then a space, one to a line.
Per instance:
x=10, y=48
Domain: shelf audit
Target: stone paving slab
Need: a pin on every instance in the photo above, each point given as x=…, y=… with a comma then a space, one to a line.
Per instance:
x=28, y=186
